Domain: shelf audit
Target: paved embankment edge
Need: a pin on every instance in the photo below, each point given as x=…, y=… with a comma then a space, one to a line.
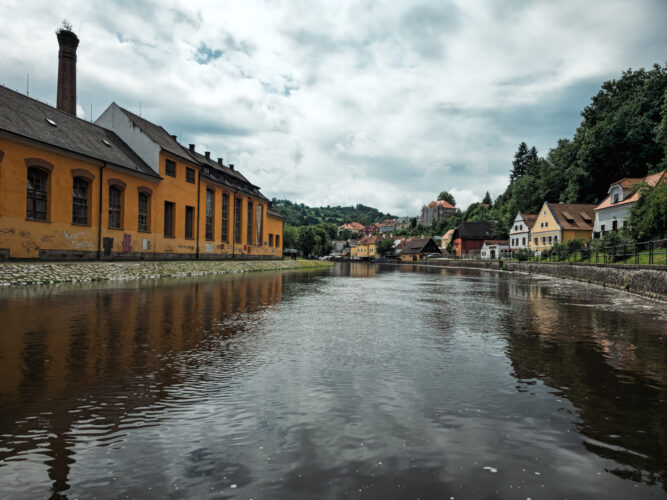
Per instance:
x=47, y=273
x=641, y=280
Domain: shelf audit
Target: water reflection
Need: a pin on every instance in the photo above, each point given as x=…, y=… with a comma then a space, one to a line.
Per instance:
x=98, y=355
x=607, y=361
x=312, y=385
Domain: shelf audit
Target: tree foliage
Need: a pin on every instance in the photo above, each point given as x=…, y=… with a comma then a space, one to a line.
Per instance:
x=648, y=217
x=384, y=246
x=445, y=196
x=298, y=214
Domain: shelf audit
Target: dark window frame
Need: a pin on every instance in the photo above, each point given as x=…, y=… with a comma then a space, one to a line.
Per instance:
x=169, y=222
x=189, y=222
x=238, y=207
x=250, y=214
x=143, y=212
x=37, y=196
x=170, y=168
x=80, y=213
x=190, y=175
x=115, y=202
x=210, y=207
x=224, y=226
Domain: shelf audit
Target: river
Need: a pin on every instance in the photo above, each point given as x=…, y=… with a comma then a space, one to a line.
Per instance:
x=360, y=381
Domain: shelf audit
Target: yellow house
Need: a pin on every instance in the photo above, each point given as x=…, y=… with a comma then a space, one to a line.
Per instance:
x=365, y=249
x=121, y=187
x=561, y=222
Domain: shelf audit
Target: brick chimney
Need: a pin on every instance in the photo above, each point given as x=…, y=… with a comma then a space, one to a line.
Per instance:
x=68, y=42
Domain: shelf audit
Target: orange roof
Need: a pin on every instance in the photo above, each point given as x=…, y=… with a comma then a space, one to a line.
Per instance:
x=442, y=203
x=529, y=219
x=626, y=183
x=575, y=216
x=354, y=226
x=448, y=235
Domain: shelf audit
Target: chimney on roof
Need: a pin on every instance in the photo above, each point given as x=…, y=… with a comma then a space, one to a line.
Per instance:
x=192, y=148
x=231, y=165
x=68, y=42
x=220, y=161
x=207, y=154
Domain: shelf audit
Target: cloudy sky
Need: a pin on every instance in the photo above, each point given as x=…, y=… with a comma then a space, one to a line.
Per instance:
x=383, y=103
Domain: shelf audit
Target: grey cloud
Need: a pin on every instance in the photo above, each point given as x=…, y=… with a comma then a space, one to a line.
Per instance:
x=205, y=55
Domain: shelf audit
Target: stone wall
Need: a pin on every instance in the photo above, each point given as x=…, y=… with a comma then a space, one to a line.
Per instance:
x=650, y=281
x=39, y=273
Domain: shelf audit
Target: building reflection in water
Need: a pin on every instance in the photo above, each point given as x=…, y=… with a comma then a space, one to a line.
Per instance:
x=610, y=366
x=99, y=355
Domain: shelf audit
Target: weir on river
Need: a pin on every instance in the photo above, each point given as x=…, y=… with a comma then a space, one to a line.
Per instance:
x=361, y=381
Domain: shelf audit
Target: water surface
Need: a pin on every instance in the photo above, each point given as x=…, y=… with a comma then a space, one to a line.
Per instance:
x=362, y=381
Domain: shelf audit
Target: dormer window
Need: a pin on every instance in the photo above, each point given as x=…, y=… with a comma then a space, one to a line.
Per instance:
x=615, y=198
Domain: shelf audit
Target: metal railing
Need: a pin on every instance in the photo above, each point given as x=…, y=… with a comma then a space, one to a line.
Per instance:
x=652, y=252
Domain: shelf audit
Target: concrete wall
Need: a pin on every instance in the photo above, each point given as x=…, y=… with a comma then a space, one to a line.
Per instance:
x=650, y=281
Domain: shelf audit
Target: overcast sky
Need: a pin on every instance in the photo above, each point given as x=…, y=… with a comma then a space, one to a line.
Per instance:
x=381, y=103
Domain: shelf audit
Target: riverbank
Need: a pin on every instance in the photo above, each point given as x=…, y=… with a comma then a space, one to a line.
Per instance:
x=45, y=273
x=649, y=281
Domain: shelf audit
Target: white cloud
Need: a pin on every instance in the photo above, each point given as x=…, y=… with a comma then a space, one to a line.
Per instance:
x=384, y=104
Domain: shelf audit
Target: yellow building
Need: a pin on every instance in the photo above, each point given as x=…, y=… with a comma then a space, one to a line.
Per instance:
x=365, y=249
x=120, y=188
x=561, y=222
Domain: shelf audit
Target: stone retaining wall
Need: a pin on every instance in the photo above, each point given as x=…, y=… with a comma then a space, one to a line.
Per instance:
x=650, y=281
x=39, y=273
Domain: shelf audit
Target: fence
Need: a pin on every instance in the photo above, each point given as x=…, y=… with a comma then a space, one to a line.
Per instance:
x=652, y=252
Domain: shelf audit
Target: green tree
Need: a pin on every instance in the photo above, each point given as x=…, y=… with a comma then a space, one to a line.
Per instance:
x=648, y=216
x=523, y=163
x=445, y=196
x=487, y=199
x=306, y=240
x=290, y=237
x=385, y=246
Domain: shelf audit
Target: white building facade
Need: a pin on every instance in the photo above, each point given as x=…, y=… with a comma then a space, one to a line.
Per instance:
x=520, y=231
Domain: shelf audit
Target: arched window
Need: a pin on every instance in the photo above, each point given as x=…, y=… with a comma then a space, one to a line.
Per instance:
x=80, y=200
x=38, y=194
x=115, y=206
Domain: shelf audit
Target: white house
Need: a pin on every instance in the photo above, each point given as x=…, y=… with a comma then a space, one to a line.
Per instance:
x=520, y=230
x=613, y=212
x=495, y=249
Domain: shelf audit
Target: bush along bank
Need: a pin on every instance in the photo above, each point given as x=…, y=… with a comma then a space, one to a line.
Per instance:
x=12, y=274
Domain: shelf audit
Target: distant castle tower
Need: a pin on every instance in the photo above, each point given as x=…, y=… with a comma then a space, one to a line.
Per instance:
x=68, y=42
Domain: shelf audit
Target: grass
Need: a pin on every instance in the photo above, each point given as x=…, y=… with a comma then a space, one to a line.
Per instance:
x=659, y=258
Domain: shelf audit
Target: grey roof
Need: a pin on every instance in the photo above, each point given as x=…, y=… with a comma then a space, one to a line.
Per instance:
x=419, y=245
x=159, y=135
x=27, y=117
x=473, y=231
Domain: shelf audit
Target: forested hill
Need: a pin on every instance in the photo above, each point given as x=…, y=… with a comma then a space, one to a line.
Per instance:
x=298, y=214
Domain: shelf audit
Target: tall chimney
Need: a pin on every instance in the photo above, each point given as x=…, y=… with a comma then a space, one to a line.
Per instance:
x=68, y=42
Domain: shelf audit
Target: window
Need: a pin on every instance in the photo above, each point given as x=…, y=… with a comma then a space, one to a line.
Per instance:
x=115, y=204
x=520, y=227
x=615, y=198
x=142, y=222
x=225, y=217
x=189, y=219
x=556, y=238
x=37, y=193
x=277, y=240
x=169, y=219
x=190, y=175
x=535, y=241
x=80, y=201
x=614, y=225
x=602, y=228
x=515, y=227
x=544, y=239
x=270, y=240
x=210, y=201
x=170, y=168
x=249, y=222
x=523, y=241
x=549, y=239
x=259, y=212
x=546, y=224
x=237, y=220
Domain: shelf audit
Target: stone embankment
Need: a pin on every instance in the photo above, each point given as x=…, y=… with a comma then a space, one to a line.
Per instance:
x=650, y=281
x=42, y=273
